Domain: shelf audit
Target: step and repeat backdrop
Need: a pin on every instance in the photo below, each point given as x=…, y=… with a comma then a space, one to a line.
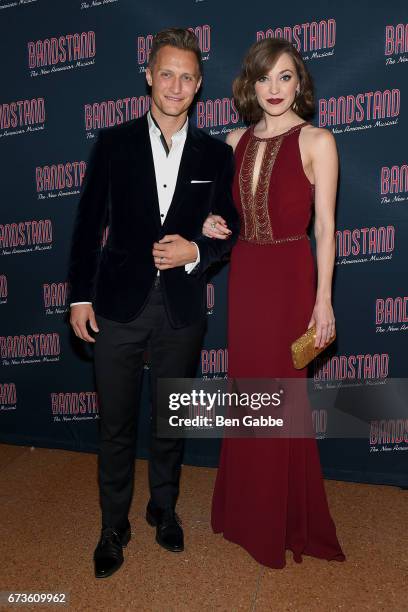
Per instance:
x=68, y=69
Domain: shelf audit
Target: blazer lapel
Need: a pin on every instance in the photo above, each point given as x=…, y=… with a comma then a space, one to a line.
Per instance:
x=142, y=168
x=191, y=161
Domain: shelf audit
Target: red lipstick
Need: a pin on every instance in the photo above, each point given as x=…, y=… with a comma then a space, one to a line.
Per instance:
x=275, y=100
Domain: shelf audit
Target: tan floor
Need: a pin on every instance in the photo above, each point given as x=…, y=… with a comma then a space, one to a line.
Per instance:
x=50, y=525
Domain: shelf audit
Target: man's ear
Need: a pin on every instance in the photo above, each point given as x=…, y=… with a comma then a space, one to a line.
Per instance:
x=149, y=77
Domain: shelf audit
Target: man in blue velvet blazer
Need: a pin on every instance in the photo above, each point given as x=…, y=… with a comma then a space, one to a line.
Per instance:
x=153, y=181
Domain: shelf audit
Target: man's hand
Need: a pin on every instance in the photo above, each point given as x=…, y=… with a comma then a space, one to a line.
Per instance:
x=173, y=251
x=80, y=315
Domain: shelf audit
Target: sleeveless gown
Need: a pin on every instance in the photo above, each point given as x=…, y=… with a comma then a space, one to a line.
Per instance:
x=269, y=494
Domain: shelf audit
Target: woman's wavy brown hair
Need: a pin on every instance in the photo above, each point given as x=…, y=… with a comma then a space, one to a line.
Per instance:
x=259, y=60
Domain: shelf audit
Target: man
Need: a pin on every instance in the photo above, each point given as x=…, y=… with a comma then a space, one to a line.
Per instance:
x=153, y=180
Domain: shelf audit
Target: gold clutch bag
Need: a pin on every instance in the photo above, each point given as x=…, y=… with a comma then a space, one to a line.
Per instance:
x=303, y=349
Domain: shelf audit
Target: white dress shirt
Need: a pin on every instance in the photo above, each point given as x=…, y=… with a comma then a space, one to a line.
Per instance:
x=166, y=167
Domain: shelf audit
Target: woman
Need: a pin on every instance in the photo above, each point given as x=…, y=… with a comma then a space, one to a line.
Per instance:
x=269, y=494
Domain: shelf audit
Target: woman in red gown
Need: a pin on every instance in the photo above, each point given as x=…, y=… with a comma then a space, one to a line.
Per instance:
x=269, y=494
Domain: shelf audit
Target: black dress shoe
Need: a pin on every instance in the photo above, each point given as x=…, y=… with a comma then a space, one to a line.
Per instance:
x=169, y=533
x=108, y=555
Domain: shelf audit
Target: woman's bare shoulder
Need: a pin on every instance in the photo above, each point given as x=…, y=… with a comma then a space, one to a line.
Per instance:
x=234, y=137
x=317, y=135
x=318, y=142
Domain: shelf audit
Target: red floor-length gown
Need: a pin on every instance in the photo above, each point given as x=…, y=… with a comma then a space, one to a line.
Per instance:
x=269, y=494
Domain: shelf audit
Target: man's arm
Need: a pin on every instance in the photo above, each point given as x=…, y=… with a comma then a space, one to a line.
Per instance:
x=173, y=250
x=212, y=250
x=89, y=225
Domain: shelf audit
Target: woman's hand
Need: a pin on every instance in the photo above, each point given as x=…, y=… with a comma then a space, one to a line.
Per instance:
x=323, y=318
x=215, y=227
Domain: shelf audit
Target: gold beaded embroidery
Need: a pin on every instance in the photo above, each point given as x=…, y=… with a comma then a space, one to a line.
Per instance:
x=256, y=224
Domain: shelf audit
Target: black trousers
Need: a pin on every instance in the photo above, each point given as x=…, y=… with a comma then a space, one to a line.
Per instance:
x=119, y=362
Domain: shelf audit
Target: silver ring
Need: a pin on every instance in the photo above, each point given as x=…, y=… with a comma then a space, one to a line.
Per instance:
x=213, y=225
x=161, y=259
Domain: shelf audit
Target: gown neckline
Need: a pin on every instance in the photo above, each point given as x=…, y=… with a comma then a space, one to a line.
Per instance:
x=289, y=131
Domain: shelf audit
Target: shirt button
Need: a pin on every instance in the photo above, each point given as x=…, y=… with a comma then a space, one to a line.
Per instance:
x=162, y=215
x=164, y=185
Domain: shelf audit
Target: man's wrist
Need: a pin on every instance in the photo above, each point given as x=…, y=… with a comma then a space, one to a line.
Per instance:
x=189, y=267
x=194, y=253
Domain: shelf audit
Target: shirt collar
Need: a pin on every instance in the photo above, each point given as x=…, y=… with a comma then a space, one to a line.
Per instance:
x=154, y=128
